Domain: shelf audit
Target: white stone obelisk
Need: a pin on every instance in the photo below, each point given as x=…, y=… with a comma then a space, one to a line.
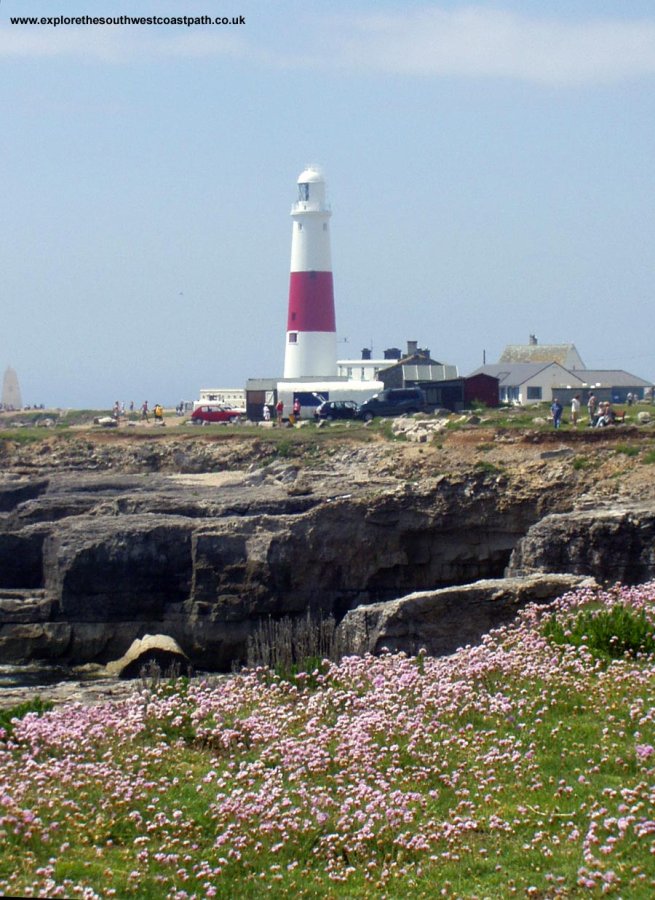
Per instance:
x=11, y=398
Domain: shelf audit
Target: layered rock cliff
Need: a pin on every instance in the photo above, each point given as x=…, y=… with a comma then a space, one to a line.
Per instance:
x=93, y=556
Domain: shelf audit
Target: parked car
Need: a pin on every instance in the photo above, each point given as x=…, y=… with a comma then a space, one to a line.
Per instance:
x=214, y=413
x=393, y=402
x=337, y=409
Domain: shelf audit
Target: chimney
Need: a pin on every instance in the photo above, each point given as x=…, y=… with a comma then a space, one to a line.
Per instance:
x=412, y=347
x=366, y=353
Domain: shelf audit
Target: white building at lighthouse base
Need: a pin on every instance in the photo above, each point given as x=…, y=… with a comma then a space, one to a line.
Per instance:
x=309, y=391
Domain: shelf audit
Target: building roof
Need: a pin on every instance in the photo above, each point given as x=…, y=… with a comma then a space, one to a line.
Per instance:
x=358, y=361
x=513, y=374
x=428, y=372
x=419, y=367
x=610, y=378
x=541, y=353
x=311, y=174
x=418, y=359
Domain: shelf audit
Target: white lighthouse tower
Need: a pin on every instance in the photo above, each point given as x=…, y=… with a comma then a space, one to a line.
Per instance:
x=311, y=347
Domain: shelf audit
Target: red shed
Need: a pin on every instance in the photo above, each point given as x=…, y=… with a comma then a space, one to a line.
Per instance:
x=483, y=388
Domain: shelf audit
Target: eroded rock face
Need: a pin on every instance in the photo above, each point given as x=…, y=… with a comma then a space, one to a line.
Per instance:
x=95, y=561
x=91, y=562
x=444, y=620
x=106, y=568
x=614, y=544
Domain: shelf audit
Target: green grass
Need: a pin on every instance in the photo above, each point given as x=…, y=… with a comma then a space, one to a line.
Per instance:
x=484, y=766
x=293, y=441
x=627, y=449
x=580, y=463
x=27, y=435
x=607, y=633
x=487, y=467
x=37, y=705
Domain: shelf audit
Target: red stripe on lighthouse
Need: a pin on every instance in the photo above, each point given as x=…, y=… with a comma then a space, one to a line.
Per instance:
x=311, y=302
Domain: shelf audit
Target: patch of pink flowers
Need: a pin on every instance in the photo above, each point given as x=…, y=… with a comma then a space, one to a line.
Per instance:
x=393, y=770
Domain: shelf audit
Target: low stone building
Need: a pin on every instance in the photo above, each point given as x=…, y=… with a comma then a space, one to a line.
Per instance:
x=416, y=368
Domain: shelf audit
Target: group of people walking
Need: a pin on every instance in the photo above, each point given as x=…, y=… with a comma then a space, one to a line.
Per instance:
x=600, y=413
x=157, y=411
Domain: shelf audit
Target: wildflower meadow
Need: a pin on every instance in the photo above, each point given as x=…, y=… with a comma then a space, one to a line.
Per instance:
x=524, y=766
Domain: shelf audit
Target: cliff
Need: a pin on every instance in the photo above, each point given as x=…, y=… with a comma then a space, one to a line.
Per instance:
x=103, y=540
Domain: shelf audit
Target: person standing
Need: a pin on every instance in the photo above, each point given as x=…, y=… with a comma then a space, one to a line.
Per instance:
x=296, y=409
x=279, y=410
x=591, y=409
x=144, y=411
x=556, y=412
x=575, y=410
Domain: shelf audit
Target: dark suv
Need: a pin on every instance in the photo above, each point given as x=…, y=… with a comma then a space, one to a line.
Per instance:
x=336, y=409
x=394, y=402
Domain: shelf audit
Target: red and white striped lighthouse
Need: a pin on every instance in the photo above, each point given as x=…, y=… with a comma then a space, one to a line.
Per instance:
x=311, y=348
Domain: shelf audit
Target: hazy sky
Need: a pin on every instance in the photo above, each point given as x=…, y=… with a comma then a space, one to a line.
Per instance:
x=489, y=165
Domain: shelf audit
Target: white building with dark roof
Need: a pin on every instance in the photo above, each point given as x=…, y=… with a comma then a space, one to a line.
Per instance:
x=523, y=383
x=537, y=373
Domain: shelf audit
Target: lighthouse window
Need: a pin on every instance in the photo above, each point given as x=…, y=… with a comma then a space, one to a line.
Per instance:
x=303, y=192
x=299, y=226
x=293, y=337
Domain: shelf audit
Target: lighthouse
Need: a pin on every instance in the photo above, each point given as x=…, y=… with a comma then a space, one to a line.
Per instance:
x=311, y=344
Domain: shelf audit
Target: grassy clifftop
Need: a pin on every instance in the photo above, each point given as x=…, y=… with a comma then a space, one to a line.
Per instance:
x=521, y=767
